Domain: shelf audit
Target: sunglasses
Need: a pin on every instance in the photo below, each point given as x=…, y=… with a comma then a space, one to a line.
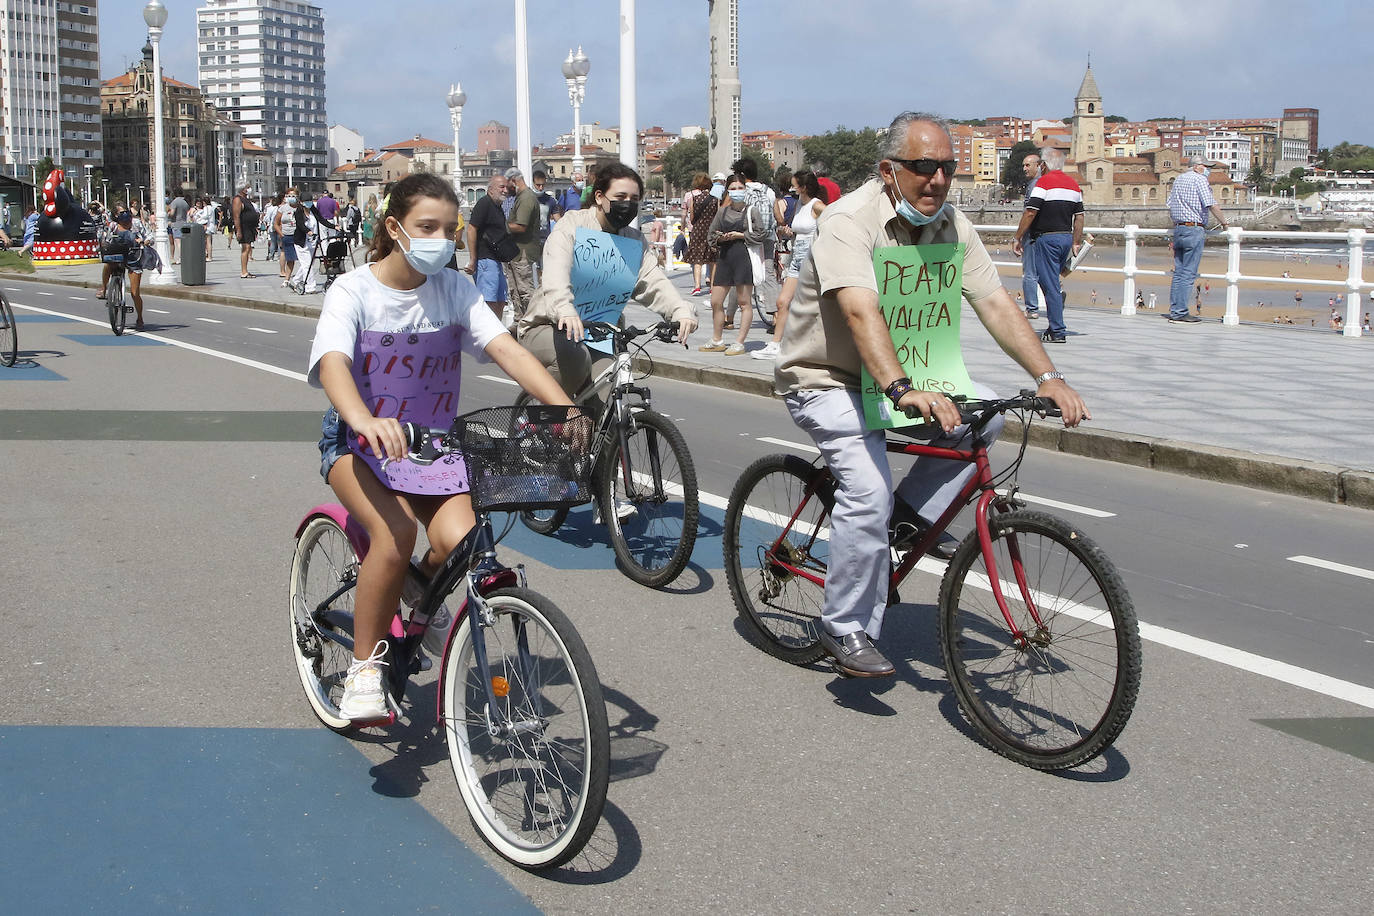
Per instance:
x=928, y=167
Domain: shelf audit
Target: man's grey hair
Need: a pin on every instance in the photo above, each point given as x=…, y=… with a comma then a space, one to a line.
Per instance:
x=1053, y=159
x=891, y=147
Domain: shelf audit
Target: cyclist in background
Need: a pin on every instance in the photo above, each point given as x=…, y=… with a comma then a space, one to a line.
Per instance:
x=388, y=349
x=552, y=328
x=129, y=235
x=834, y=328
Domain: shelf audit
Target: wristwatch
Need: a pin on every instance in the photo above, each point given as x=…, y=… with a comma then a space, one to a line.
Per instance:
x=1042, y=379
x=898, y=388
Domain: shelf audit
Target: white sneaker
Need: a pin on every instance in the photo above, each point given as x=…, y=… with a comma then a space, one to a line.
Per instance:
x=363, y=698
x=735, y=349
x=623, y=510
x=768, y=352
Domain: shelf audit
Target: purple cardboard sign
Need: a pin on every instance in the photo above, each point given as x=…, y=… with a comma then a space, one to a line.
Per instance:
x=413, y=376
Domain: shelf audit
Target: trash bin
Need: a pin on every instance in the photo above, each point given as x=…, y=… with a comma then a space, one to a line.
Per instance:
x=193, y=254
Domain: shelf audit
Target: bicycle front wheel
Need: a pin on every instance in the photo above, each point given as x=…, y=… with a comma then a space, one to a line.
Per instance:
x=114, y=301
x=648, y=496
x=9, y=333
x=1061, y=693
x=532, y=770
x=777, y=536
x=323, y=571
x=540, y=521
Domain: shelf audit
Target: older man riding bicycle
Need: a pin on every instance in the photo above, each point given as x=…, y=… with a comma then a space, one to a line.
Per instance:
x=835, y=329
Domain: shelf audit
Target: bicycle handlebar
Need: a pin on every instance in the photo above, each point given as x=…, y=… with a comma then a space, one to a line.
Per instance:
x=665, y=331
x=978, y=413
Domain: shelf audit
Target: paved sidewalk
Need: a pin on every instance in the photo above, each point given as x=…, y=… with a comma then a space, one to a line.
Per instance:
x=1270, y=407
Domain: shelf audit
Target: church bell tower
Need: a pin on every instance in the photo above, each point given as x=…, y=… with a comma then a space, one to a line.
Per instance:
x=1089, y=139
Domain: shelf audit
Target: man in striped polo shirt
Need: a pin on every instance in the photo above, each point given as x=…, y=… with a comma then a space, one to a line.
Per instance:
x=1053, y=222
x=1189, y=201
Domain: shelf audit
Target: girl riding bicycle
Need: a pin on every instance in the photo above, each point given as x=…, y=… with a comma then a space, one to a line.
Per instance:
x=388, y=349
x=552, y=328
x=129, y=237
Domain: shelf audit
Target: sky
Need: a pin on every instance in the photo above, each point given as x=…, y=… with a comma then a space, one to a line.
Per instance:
x=809, y=66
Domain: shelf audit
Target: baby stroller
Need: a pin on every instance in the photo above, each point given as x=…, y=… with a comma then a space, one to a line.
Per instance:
x=328, y=251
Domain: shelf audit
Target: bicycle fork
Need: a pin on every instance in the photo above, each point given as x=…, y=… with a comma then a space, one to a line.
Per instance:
x=1020, y=638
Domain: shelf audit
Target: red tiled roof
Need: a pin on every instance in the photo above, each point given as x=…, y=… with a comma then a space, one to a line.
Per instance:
x=126, y=79
x=250, y=147
x=417, y=143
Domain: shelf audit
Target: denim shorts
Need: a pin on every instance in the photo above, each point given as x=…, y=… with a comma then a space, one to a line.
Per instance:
x=288, y=247
x=491, y=280
x=333, y=441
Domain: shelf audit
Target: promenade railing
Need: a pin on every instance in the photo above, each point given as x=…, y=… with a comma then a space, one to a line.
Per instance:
x=1353, y=286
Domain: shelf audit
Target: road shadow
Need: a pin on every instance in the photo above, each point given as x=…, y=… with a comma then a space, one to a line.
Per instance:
x=29, y=359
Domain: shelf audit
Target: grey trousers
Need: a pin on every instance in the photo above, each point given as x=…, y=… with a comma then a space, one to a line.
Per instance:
x=571, y=362
x=856, y=584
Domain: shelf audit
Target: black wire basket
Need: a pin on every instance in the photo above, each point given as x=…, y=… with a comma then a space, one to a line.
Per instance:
x=531, y=457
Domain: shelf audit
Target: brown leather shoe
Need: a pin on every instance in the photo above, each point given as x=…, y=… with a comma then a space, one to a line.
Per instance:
x=855, y=655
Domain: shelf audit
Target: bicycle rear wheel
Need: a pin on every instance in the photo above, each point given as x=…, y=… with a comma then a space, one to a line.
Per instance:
x=9, y=334
x=1063, y=694
x=114, y=302
x=533, y=772
x=654, y=476
x=323, y=572
x=777, y=527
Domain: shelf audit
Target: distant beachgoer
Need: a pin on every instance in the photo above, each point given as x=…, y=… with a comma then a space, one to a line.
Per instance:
x=1297, y=296
x=1154, y=299
x=1139, y=300
x=1094, y=296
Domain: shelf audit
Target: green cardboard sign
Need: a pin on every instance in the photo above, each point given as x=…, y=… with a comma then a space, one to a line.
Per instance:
x=920, y=291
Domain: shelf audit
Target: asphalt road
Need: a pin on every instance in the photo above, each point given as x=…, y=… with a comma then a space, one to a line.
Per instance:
x=146, y=556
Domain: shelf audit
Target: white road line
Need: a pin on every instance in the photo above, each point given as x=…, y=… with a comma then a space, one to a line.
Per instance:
x=1335, y=567
x=13, y=289
x=41, y=293
x=1056, y=504
x=799, y=446
x=156, y=311
x=206, y=351
x=261, y=330
x=503, y=380
x=77, y=298
x=210, y=320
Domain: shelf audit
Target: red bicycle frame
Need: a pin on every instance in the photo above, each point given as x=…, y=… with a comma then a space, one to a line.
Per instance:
x=981, y=480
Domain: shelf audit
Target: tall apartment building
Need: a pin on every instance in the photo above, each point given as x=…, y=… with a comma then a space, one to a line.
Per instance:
x=262, y=65
x=50, y=86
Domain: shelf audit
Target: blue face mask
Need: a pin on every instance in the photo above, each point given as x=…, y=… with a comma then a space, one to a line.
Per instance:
x=738, y=196
x=428, y=256
x=909, y=213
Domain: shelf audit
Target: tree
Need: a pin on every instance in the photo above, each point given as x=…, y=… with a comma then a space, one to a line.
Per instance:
x=1256, y=178
x=1115, y=119
x=1013, y=176
x=654, y=184
x=684, y=159
x=849, y=155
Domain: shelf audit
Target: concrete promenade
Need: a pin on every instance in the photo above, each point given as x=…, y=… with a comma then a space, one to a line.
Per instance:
x=1274, y=408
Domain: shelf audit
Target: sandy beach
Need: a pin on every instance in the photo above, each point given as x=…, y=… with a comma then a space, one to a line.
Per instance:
x=1260, y=300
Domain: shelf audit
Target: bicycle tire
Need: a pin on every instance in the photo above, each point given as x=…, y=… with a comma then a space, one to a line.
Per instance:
x=323, y=561
x=535, y=801
x=1064, y=696
x=652, y=546
x=781, y=610
x=114, y=302
x=9, y=334
x=540, y=521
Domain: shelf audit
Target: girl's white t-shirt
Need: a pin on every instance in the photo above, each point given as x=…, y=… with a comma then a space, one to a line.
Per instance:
x=406, y=349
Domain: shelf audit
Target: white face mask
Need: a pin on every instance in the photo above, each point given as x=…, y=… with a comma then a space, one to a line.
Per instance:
x=428, y=256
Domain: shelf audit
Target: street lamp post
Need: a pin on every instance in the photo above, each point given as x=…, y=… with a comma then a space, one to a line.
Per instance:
x=155, y=15
x=575, y=70
x=629, y=153
x=87, y=201
x=290, y=161
x=522, y=93
x=128, y=200
x=143, y=198
x=33, y=166
x=105, y=196
x=457, y=98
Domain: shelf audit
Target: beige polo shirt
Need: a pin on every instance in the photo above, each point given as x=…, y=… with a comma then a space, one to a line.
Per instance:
x=554, y=298
x=817, y=349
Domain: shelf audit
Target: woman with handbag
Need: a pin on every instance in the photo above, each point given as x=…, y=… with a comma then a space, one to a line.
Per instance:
x=738, y=231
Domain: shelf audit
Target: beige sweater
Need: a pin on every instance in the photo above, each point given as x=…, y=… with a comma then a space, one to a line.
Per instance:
x=554, y=298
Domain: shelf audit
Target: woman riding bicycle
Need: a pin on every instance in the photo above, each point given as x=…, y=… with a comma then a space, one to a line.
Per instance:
x=129, y=237
x=552, y=328
x=388, y=349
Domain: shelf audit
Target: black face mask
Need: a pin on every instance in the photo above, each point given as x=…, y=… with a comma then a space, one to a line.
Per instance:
x=622, y=213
